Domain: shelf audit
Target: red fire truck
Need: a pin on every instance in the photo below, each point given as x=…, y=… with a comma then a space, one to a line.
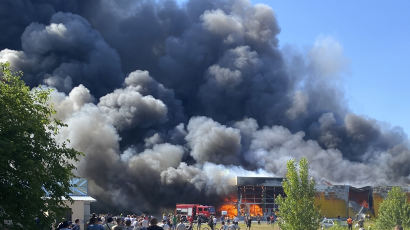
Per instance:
x=194, y=211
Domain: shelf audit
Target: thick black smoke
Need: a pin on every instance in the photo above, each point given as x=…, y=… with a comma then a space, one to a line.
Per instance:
x=171, y=102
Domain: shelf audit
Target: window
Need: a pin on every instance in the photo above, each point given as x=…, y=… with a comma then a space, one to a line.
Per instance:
x=205, y=209
x=199, y=209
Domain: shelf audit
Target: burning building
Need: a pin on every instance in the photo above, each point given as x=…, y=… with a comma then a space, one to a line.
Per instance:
x=257, y=195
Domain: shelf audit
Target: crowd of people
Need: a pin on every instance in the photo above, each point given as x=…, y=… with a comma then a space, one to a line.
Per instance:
x=171, y=222
x=147, y=222
x=109, y=222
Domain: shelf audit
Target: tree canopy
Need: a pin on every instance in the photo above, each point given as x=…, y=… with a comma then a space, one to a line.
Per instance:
x=394, y=210
x=298, y=210
x=35, y=169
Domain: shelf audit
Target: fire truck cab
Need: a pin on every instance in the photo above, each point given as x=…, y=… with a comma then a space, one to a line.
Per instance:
x=191, y=212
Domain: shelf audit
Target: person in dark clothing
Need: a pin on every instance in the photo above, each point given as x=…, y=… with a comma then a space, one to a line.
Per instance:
x=199, y=222
x=76, y=225
x=63, y=225
x=93, y=224
x=211, y=222
x=249, y=223
x=153, y=225
x=361, y=223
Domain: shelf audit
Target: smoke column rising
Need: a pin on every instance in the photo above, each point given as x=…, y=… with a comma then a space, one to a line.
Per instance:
x=170, y=103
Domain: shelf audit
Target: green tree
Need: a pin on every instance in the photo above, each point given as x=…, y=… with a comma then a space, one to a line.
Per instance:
x=35, y=170
x=297, y=210
x=394, y=210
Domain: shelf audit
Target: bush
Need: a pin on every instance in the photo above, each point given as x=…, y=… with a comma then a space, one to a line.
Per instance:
x=394, y=210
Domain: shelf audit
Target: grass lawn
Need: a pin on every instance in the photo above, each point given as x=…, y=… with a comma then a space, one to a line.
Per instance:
x=255, y=226
x=265, y=226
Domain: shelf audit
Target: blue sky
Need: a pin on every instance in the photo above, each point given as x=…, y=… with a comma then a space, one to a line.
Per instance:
x=375, y=36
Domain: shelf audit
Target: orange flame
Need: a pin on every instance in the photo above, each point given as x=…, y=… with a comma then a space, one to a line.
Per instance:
x=231, y=210
x=255, y=210
x=230, y=206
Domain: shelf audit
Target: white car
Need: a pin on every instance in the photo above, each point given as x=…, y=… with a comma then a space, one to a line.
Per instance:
x=328, y=223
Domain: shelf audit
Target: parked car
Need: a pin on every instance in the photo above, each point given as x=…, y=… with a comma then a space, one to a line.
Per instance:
x=327, y=223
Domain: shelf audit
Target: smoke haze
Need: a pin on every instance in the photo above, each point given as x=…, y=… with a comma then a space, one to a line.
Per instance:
x=171, y=102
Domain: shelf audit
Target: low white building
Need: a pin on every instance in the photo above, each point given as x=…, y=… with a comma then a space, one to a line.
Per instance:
x=80, y=208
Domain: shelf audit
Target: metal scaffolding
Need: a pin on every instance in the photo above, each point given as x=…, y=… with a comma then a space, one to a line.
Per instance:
x=258, y=193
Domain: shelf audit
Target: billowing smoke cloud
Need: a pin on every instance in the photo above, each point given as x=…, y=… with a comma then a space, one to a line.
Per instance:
x=64, y=53
x=212, y=142
x=171, y=102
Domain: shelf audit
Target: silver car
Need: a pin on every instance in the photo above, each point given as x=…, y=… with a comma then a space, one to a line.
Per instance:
x=327, y=223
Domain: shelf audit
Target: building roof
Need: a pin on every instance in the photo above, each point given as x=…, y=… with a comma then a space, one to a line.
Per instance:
x=264, y=181
x=83, y=198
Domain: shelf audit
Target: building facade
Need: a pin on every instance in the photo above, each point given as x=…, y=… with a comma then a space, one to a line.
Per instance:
x=80, y=207
x=257, y=195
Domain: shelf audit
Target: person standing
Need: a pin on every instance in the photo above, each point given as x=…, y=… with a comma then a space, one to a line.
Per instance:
x=93, y=224
x=361, y=223
x=199, y=222
x=236, y=220
x=165, y=225
x=249, y=223
x=180, y=226
x=76, y=225
x=224, y=226
x=109, y=225
x=349, y=223
x=211, y=222
x=144, y=223
x=153, y=225
x=245, y=221
x=120, y=224
x=174, y=222
x=64, y=225
x=128, y=225
x=232, y=226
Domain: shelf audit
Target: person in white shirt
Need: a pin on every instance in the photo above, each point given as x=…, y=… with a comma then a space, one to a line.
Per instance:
x=136, y=224
x=235, y=220
x=165, y=226
x=181, y=226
